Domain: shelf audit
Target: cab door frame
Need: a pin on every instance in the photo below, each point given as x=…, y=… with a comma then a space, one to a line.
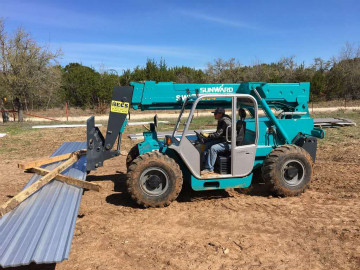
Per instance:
x=243, y=156
x=191, y=157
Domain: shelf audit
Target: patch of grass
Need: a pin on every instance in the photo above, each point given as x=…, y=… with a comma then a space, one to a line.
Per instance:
x=341, y=134
x=335, y=103
x=4, y=150
x=14, y=128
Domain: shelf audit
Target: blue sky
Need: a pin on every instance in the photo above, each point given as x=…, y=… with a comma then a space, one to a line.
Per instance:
x=123, y=34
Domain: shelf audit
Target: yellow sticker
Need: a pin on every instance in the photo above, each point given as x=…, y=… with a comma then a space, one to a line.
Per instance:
x=120, y=107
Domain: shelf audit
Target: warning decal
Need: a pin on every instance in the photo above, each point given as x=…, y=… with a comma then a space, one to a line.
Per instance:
x=120, y=107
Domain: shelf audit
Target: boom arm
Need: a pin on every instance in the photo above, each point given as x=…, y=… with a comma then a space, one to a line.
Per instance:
x=149, y=95
x=168, y=95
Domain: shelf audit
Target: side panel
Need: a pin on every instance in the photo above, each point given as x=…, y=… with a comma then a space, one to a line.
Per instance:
x=190, y=155
x=244, y=157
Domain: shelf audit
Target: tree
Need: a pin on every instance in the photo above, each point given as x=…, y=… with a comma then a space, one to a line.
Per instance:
x=224, y=71
x=27, y=70
x=80, y=85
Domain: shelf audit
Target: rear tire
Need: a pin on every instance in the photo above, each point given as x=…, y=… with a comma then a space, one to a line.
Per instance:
x=154, y=180
x=288, y=169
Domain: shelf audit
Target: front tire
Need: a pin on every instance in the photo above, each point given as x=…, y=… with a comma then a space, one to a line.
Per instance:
x=154, y=180
x=288, y=169
x=133, y=154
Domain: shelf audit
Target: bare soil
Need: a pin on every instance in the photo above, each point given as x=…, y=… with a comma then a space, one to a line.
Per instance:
x=209, y=230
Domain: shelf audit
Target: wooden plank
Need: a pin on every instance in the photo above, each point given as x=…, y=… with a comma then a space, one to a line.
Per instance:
x=43, y=161
x=20, y=197
x=68, y=180
x=38, y=163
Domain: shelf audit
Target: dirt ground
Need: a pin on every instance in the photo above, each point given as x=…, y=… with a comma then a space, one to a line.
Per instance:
x=208, y=230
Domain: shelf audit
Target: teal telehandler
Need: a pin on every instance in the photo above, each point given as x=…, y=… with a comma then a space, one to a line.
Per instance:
x=280, y=139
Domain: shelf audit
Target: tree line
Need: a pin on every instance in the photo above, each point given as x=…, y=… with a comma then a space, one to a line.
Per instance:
x=31, y=77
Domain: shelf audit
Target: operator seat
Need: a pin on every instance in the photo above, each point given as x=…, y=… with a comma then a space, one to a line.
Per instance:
x=240, y=132
x=241, y=128
x=223, y=160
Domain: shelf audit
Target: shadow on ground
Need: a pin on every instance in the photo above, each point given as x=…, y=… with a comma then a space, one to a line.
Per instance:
x=118, y=178
x=122, y=198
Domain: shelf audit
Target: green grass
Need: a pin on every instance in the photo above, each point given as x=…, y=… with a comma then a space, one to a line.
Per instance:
x=335, y=103
x=14, y=128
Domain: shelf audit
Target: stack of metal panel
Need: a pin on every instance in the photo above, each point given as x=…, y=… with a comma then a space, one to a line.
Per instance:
x=333, y=122
x=41, y=228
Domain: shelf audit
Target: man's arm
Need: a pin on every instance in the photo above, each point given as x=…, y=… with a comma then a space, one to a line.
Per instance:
x=219, y=131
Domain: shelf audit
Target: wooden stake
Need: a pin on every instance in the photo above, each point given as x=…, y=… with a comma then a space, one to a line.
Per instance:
x=67, y=179
x=20, y=197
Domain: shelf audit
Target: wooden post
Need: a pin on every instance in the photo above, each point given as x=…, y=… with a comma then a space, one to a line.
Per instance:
x=67, y=179
x=40, y=162
x=19, y=109
x=20, y=197
x=4, y=114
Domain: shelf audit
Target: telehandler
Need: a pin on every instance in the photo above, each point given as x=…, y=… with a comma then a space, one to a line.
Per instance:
x=282, y=142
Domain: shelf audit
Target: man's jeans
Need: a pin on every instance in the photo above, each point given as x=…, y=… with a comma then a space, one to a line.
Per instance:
x=211, y=151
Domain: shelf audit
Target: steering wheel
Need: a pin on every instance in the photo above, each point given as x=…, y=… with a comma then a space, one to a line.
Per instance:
x=200, y=138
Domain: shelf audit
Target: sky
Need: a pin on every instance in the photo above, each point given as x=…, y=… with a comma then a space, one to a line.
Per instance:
x=124, y=34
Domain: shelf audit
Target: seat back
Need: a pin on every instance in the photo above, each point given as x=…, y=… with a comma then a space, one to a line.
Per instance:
x=240, y=133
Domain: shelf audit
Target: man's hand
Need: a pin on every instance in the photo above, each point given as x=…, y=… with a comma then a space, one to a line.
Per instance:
x=204, y=134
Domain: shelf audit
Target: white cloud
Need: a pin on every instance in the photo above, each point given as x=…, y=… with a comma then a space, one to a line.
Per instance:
x=109, y=48
x=216, y=19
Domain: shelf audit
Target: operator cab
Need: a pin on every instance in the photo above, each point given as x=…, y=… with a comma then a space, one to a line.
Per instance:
x=238, y=161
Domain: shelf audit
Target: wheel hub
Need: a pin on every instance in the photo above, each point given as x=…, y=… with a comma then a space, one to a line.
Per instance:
x=154, y=181
x=293, y=172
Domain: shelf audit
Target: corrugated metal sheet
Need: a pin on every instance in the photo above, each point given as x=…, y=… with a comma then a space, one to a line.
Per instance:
x=41, y=228
x=333, y=122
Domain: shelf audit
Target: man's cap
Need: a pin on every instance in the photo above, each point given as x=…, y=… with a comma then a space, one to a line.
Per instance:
x=219, y=110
